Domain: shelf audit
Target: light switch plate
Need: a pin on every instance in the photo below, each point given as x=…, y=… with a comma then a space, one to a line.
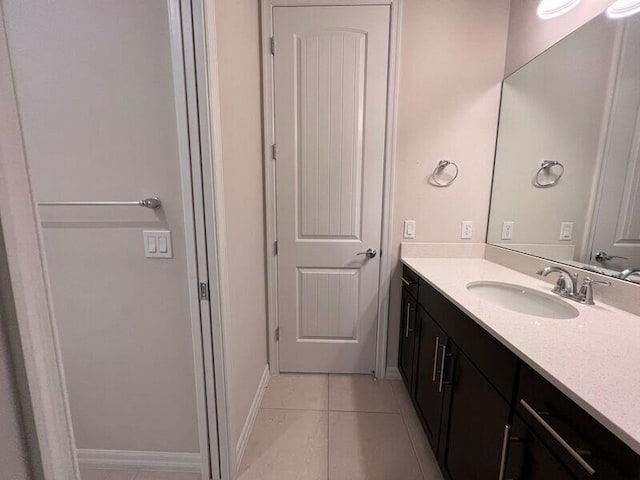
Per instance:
x=466, y=232
x=566, y=231
x=507, y=231
x=157, y=244
x=409, y=229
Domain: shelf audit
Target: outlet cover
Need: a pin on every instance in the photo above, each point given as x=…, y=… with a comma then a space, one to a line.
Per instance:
x=467, y=230
x=507, y=230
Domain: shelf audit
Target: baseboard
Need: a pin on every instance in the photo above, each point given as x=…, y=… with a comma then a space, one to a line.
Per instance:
x=392, y=373
x=251, y=417
x=154, y=461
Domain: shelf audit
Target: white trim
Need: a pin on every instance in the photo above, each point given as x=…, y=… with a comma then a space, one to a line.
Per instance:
x=30, y=291
x=251, y=417
x=389, y=172
x=213, y=189
x=393, y=373
x=185, y=105
x=152, y=461
x=389, y=182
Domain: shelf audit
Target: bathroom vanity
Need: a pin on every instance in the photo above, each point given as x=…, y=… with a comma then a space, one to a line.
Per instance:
x=508, y=395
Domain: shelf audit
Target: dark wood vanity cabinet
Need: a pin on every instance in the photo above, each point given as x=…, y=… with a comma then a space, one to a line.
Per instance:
x=407, y=338
x=529, y=458
x=473, y=426
x=482, y=408
x=584, y=447
x=432, y=355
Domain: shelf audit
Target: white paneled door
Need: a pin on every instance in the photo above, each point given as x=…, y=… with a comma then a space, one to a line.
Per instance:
x=330, y=86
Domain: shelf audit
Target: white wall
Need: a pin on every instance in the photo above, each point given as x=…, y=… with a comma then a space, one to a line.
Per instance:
x=451, y=67
x=529, y=35
x=238, y=42
x=95, y=95
x=553, y=108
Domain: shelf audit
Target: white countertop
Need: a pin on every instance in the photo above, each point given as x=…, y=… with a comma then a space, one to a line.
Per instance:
x=594, y=358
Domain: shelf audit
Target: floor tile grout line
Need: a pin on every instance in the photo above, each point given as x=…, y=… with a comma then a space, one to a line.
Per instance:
x=297, y=409
x=413, y=446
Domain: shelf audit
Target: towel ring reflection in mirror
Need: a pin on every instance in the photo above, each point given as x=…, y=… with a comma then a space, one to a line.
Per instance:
x=442, y=164
x=546, y=166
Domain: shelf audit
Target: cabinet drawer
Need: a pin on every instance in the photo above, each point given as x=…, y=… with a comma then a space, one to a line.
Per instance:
x=586, y=447
x=493, y=359
x=410, y=281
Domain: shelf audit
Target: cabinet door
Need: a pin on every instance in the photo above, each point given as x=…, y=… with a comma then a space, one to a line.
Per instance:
x=529, y=459
x=407, y=339
x=473, y=424
x=431, y=345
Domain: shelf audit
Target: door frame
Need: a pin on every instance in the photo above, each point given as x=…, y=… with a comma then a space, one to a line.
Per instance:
x=268, y=115
x=192, y=28
x=193, y=49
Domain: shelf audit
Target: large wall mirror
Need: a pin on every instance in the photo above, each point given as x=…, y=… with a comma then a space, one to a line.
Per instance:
x=567, y=171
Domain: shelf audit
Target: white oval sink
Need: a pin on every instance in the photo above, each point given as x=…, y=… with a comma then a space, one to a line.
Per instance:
x=523, y=299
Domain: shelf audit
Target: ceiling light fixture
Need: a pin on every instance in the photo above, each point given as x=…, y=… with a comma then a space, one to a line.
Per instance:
x=554, y=8
x=623, y=8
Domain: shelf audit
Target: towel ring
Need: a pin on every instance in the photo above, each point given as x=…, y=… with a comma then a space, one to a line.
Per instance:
x=546, y=166
x=442, y=164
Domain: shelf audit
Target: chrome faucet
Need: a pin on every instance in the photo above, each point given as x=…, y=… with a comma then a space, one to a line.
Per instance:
x=585, y=295
x=623, y=275
x=567, y=284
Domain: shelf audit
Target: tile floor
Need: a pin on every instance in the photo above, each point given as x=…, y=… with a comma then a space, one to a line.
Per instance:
x=319, y=427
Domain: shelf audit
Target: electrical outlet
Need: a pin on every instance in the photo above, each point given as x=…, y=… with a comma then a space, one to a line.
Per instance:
x=409, y=229
x=566, y=230
x=467, y=229
x=507, y=230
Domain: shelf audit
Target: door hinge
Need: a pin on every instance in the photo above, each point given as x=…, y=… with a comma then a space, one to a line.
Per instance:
x=277, y=333
x=204, y=290
x=274, y=152
x=275, y=247
x=273, y=45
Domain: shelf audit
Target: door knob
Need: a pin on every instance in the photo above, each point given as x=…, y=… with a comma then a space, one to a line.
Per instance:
x=605, y=257
x=370, y=252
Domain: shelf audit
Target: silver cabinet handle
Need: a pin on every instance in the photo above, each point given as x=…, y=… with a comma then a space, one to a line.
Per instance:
x=406, y=328
x=435, y=360
x=369, y=252
x=405, y=281
x=503, y=458
x=590, y=470
x=444, y=354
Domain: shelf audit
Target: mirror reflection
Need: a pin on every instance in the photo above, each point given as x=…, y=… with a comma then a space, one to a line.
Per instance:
x=567, y=171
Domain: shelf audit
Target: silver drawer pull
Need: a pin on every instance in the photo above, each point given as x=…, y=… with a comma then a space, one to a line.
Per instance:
x=406, y=282
x=558, y=438
x=435, y=360
x=444, y=354
x=503, y=458
x=406, y=328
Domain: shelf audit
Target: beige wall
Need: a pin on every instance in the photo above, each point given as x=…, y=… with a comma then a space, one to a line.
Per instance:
x=238, y=47
x=451, y=67
x=530, y=36
x=98, y=118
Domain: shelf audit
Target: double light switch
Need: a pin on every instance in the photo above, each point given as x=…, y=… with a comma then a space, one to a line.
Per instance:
x=157, y=244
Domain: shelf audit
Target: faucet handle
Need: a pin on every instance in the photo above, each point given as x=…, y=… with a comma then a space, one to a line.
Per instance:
x=585, y=295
